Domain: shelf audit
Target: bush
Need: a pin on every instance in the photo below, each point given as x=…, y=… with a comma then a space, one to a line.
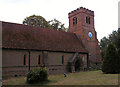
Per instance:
x=94, y=67
x=37, y=75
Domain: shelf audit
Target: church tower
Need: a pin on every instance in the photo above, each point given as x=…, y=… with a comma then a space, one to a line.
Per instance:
x=81, y=22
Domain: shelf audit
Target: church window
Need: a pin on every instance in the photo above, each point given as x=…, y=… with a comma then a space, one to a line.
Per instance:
x=39, y=59
x=25, y=60
x=62, y=59
x=74, y=20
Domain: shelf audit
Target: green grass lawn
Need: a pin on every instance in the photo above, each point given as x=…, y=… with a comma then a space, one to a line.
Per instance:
x=79, y=78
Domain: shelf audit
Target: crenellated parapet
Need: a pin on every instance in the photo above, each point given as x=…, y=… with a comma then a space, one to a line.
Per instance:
x=81, y=10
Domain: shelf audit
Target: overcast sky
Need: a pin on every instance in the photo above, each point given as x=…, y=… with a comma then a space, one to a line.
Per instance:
x=106, y=11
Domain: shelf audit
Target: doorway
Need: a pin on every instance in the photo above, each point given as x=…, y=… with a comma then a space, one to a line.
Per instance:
x=77, y=65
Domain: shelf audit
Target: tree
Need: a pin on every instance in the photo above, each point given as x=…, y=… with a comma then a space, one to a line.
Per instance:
x=112, y=38
x=35, y=20
x=118, y=40
x=57, y=25
x=103, y=44
x=118, y=47
x=111, y=60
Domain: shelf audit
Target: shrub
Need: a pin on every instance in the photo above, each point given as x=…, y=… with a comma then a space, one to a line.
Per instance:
x=94, y=67
x=37, y=75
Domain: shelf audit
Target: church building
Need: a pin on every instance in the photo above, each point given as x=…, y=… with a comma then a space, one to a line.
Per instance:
x=25, y=47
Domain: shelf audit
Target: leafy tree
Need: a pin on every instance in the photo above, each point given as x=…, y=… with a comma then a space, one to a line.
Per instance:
x=103, y=44
x=112, y=38
x=35, y=20
x=111, y=60
x=55, y=24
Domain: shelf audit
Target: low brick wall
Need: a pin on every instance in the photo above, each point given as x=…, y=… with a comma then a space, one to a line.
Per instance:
x=56, y=69
x=14, y=71
x=22, y=71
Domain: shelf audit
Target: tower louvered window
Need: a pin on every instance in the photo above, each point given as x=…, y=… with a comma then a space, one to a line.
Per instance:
x=88, y=20
x=74, y=21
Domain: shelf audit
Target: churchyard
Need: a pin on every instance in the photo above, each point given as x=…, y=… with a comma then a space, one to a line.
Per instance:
x=78, y=78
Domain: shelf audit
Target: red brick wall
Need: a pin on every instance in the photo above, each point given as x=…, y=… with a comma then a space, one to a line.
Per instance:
x=13, y=61
x=82, y=29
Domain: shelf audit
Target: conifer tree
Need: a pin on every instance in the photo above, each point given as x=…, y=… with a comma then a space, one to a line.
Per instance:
x=111, y=60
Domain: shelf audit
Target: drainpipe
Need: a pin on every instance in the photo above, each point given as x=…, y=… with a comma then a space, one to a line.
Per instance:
x=29, y=62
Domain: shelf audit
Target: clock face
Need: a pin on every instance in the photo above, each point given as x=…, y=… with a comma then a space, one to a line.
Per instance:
x=90, y=34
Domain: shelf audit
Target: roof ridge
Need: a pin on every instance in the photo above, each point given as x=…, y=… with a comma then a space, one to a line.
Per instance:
x=36, y=27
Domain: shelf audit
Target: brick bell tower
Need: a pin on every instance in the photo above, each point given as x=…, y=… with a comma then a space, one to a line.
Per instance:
x=81, y=22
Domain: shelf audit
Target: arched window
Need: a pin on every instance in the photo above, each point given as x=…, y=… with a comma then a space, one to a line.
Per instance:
x=74, y=21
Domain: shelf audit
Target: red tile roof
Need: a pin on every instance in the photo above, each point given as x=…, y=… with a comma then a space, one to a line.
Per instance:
x=20, y=36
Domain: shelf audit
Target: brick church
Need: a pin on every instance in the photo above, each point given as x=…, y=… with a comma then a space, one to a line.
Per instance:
x=26, y=47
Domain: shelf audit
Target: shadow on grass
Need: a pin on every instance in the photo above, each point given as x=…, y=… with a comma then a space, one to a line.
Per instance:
x=40, y=83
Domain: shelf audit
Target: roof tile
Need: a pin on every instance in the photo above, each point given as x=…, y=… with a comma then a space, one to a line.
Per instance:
x=35, y=38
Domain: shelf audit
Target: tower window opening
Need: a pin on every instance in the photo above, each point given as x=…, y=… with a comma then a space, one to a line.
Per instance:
x=88, y=20
x=74, y=20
